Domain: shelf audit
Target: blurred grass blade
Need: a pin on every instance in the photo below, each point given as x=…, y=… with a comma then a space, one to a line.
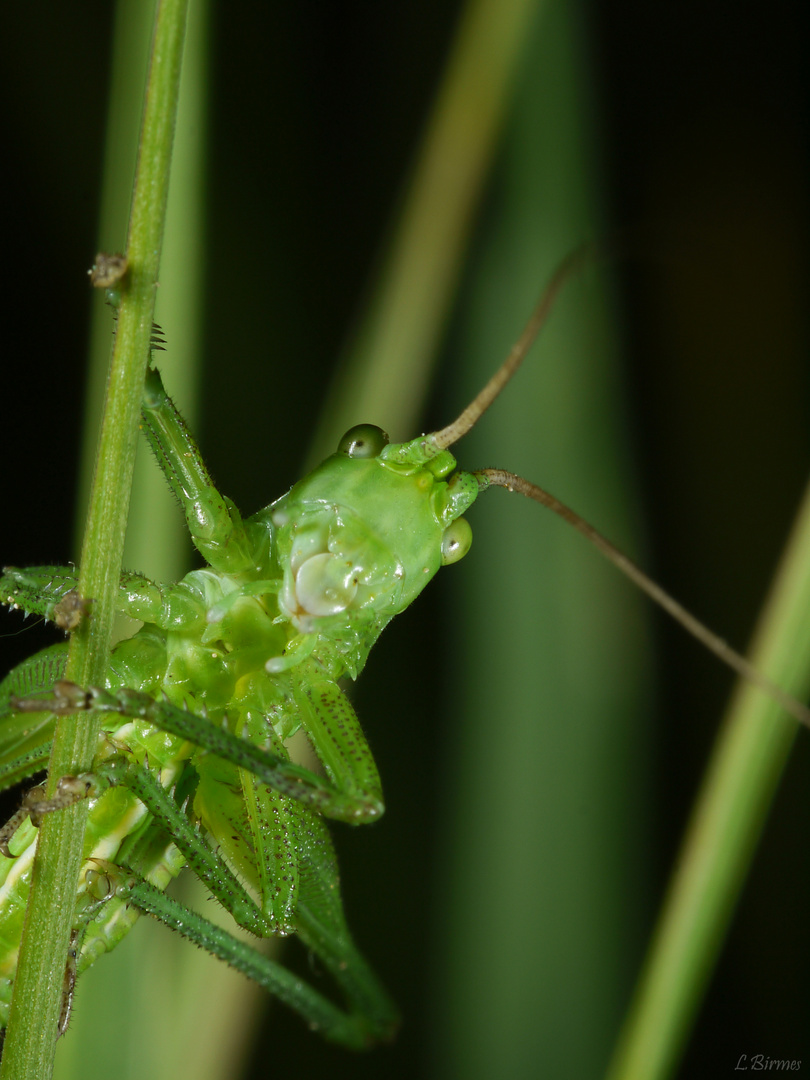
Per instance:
x=727, y=820
x=544, y=847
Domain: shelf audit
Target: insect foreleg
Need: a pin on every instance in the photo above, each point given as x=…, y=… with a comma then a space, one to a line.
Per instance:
x=215, y=524
x=338, y=740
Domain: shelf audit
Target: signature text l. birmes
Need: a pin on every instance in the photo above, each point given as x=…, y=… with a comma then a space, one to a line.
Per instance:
x=763, y=1063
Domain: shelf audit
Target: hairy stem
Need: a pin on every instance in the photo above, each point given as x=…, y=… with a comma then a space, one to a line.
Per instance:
x=35, y=1008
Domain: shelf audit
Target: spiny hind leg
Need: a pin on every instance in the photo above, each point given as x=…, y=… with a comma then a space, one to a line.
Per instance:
x=354, y=805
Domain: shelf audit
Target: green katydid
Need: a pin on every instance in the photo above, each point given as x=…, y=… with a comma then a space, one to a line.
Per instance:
x=229, y=664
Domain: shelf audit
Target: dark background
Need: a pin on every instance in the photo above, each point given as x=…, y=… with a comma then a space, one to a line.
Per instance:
x=704, y=131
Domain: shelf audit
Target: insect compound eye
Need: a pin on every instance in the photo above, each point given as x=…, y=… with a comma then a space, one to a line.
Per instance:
x=456, y=541
x=363, y=441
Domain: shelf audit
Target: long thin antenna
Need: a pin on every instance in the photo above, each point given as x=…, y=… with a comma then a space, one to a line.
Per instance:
x=715, y=644
x=482, y=401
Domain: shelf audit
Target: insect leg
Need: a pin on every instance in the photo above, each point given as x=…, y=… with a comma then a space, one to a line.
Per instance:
x=215, y=524
x=38, y=590
x=68, y=984
x=18, y=817
x=349, y=1030
x=51, y=591
x=286, y=777
x=319, y=921
x=255, y=826
x=142, y=783
x=322, y=927
x=338, y=740
x=201, y=859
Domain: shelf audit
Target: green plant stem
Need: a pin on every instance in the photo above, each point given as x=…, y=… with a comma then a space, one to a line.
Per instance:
x=31, y=1038
x=729, y=815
